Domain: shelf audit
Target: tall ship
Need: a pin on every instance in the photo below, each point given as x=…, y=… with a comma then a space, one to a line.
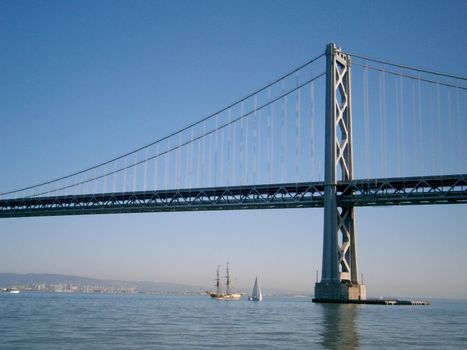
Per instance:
x=11, y=290
x=228, y=295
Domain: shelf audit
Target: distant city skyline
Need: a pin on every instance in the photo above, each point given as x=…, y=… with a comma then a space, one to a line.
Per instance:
x=86, y=81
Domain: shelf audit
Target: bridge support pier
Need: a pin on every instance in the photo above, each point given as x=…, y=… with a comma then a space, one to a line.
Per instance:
x=339, y=279
x=340, y=291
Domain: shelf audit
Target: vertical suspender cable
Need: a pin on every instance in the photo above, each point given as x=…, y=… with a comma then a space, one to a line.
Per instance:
x=114, y=177
x=73, y=189
x=241, y=146
x=402, y=120
x=286, y=117
x=82, y=184
x=145, y=169
x=209, y=142
x=178, y=161
x=258, y=156
x=86, y=184
x=92, y=183
x=105, y=178
x=76, y=188
x=95, y=181
x=203, y=160
x=166, y=166
x=229, y=150
x=366, y=125
x=414, y=125
x=271, y=138
x=33, y=192
x=440, y=143
x=185, y=160
x=272, y=157
x=381, y=126
x=257, y=177
x=185, y=163
x=190, y=164
x=459, y=146
x=210, y=170
x=198, y=158
x=297, y=134
x=254, y=146
x=234, y=153
x=385, y=126
x=432, y=127
x=246, y=149
x=420, y=130
x=312, y=131
x=216, y=153
x=156, y=168
x=268, y=140
x=284, y=134
x=450, y=152
x=222, y=181
x=135, y=169
x=125, y=174
x=398, y=127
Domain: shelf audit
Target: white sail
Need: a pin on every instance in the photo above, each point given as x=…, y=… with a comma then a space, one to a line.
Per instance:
x=256, y=294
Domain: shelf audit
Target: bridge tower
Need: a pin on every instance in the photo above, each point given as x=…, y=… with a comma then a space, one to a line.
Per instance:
x=339, y=278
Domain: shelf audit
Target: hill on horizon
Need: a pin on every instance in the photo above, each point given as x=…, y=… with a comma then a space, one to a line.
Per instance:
x=10, y=279
x=16, y=279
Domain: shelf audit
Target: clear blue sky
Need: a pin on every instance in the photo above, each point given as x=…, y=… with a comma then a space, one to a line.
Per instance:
x=84, y=81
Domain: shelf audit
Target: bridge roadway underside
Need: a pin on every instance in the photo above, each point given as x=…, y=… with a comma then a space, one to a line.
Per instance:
x=450, y=189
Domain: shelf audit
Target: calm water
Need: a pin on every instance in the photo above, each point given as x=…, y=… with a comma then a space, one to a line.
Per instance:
x=90, y=321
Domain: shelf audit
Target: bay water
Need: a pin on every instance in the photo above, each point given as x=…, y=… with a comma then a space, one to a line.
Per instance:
x=138, y=321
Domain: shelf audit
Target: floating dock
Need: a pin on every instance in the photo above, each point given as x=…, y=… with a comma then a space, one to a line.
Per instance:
x=372, y=301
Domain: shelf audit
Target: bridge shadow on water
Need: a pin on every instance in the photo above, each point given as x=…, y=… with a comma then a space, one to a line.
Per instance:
x=338, y=329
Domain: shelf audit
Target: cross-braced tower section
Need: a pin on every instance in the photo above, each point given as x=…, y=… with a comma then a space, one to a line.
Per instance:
x=339, y=279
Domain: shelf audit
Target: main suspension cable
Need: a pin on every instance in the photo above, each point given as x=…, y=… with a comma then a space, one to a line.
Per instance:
x=448, y=75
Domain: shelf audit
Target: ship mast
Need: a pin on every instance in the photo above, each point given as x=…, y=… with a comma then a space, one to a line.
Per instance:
x=218, y=281
x=228, y=280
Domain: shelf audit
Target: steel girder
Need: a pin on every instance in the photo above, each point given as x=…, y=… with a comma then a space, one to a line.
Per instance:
x=218, y=198
x=443, y=189
x=372, y=192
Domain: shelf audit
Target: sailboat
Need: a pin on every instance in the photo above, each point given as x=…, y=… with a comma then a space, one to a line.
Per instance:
x=228, y=295
x=256, y=294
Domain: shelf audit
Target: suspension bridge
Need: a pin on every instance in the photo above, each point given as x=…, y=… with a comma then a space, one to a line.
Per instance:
x=319, y=136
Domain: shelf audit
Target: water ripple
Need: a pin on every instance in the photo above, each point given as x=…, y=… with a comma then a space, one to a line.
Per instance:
x=36, y=321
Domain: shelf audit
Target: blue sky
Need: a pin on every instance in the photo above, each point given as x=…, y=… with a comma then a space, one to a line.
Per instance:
x=85, y=81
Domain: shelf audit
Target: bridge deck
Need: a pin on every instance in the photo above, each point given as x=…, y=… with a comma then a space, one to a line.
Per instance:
x=450, y=189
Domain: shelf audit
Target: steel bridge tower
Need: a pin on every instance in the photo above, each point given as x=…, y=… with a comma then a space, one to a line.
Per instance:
x=339, y=278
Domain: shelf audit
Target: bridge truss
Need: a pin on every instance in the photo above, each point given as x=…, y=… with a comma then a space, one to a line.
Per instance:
x=450, y=189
